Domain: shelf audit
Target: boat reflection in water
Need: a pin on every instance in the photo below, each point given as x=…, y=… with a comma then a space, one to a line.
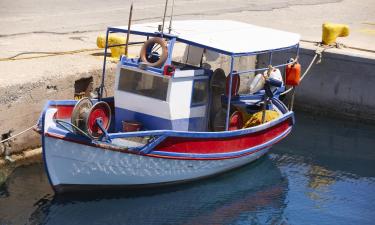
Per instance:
x=242, y=195
x=330, y=148
x=330, y=168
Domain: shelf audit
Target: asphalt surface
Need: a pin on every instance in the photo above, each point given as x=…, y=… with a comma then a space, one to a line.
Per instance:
x=30, y=26
x=59, y=17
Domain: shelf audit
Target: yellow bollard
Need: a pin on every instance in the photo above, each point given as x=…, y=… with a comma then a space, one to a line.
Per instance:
x=113, y=39
x=331, y=31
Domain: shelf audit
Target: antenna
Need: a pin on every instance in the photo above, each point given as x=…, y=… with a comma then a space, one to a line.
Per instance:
x=128, y=33
x=170, y=21
x=165, y=12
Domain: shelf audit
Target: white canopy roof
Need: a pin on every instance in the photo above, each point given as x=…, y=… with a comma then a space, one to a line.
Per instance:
x=226, y=36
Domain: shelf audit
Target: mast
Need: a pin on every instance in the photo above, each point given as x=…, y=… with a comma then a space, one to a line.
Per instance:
x=165, y=12
x=128, y=33
x=170, y=21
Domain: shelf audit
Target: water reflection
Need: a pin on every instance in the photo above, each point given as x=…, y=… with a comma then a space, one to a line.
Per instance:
x=20, y=195
x=335, y=145
x=237, y=196
x=330, y=165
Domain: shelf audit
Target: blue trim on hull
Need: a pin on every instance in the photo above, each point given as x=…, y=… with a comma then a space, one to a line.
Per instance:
x=174, y=133
x=148, y=150
x=42, y=119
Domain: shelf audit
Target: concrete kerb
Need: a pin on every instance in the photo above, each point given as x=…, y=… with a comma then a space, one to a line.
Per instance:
x=22, y=109
x=340, y=86
x=23, y=103
x=20, y=159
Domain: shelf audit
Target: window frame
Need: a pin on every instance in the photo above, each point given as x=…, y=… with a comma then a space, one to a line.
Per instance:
x=205, y=102
x=147, y=73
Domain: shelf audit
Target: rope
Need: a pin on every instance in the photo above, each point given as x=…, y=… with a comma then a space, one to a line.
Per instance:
x=34, y=126
x=46, y=54
x=14, y=136
x=339, y=45
x=318, y=53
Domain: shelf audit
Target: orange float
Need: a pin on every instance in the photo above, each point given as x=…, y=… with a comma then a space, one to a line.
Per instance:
x=293, y=74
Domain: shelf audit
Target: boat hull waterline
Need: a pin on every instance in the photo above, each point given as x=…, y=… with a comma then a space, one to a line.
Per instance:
x=74, y=165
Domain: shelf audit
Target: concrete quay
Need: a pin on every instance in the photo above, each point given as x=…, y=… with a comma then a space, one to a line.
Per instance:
x=341, y=84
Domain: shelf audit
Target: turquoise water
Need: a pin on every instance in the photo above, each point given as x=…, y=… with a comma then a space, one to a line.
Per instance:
x=323, y=173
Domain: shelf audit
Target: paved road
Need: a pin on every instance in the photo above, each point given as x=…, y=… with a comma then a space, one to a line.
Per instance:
x=23, y=17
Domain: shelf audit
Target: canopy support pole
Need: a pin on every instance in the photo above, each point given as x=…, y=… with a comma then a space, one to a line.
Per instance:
x=230, y=92
x=270, y=59
x=101, y=88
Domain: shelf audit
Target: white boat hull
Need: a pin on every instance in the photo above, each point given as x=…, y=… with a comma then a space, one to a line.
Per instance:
x=72, y=165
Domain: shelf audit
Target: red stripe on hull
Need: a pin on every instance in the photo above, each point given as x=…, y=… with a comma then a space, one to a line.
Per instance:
x=222, y=145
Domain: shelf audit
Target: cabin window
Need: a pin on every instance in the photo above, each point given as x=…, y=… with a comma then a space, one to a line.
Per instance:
x=200, y=92
x=143, y=84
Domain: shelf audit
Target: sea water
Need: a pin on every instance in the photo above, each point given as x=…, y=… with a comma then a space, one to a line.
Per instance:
x=323, y=173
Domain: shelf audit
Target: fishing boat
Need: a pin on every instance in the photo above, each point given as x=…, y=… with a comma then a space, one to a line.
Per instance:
x=173, y=120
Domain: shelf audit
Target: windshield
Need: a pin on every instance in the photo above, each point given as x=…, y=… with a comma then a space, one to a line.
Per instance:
x=144, y=84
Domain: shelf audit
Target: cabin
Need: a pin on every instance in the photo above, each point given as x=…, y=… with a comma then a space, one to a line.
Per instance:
x=162, y=102
x=159, y=93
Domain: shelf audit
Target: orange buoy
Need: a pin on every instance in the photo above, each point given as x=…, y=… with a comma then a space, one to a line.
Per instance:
x=292, y=74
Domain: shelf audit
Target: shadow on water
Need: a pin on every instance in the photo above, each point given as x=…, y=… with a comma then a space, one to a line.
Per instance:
x=20, y=193
x=218, y=200
x=236, y=196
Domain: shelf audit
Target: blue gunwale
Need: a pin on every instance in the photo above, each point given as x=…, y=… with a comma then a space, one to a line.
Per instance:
x=193, y=134
x=181, y=156
x=148, y=149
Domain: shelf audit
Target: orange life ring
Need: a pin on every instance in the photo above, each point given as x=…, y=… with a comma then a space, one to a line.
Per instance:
x=163, y=56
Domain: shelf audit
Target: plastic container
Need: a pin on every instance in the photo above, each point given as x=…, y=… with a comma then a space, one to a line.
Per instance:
x=257, y=83
x=131, y=126
x=292, y=74
x=276, y=75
